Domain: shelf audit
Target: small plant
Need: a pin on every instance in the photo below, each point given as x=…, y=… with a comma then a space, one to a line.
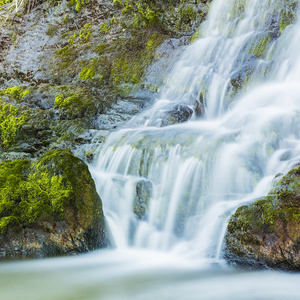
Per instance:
x=85, y=33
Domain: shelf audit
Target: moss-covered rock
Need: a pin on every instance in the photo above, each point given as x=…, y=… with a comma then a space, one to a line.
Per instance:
x=49, y=207
x=267, y=232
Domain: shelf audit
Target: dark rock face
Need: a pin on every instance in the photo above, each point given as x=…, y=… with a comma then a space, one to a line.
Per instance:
x=143, y=194
x=267, y=232
x=179, y=114
x=49, y=208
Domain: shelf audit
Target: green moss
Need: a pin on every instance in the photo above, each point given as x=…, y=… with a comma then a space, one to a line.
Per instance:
x=12, y=179
x=66, y=56
x=195, y=36
x=52, y=29
x=144, y=13
x=79, y=4
x=2, y=2
x=71, y=100
x=122, y=59
x=77, y=104
x=10, y=123
x=271, y=214
x=16, y=92
x=130, y=68
x=72, y=38
x=186, y=15
x=85, y=33
x=104, y=28
x=14, y=38
x=260, y=47
x=47, y=189
x=87, y=73
x=288, y=14
x=100, y=49
x=238, y=8
x=66, y=19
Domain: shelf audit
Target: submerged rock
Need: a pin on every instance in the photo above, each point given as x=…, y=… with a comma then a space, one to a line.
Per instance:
x=49, y=207
x=143, y=194
x=178, y=114
x=267, y=232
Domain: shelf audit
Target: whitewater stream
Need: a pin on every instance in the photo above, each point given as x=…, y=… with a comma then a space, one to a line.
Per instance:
x=168, y=192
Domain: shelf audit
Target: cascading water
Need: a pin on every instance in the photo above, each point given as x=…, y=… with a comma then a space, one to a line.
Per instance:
x=168, y=191
x=192, y=176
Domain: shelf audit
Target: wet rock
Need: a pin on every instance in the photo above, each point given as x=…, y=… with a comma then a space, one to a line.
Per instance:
x=84, y=138
x=267, y=232
x=143, y=194
x=121, y=111
x=179, y=114
x=56, y=209
x=25, y=147
x=199, y=107
x=99, y=136
x=5, y=156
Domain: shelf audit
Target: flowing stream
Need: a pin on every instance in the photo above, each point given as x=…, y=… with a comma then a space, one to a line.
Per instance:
x=168, y=192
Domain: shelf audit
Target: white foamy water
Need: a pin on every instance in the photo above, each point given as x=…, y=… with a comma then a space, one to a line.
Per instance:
x=201, y=171
x=196, y=173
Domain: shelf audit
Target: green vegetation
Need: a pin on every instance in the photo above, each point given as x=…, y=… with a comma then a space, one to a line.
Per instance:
x=16, y=92
x=85, y=33
x=261, y=232
x=238, y=8
x=87, y=73
x=10, y=123
x=130, y=67
x=45, y=189
x=77, y=104
x=288, y=14
x=126, y=43
x=282, y=204
x=79, y=4
x=261, y=46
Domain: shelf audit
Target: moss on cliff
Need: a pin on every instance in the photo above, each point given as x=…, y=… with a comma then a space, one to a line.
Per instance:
x=17, y=92
x=122, y=43
x=11, y=120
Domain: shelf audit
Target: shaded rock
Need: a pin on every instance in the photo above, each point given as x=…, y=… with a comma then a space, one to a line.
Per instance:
x=25, y=147
x=49, y=207
x=267, y=232
x=199, y=107
x=141, y=201
x=179, y=114
x=84, y=138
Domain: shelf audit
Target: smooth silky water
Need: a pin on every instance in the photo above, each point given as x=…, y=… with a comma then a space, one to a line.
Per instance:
x=198, y=172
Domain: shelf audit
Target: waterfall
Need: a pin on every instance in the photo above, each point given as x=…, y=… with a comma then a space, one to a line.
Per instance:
x=173, y=188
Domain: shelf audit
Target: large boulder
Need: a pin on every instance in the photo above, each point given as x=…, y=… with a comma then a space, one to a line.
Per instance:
x=49, y=207
x=267, y=232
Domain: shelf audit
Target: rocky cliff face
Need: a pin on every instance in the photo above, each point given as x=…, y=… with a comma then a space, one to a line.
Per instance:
x=72, y=66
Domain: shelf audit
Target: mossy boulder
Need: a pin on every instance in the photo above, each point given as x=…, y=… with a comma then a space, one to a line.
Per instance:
x=49, y=207
x=267, y=232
